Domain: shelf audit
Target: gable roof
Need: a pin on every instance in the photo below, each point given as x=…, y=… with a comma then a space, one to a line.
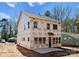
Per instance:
x=36, y=16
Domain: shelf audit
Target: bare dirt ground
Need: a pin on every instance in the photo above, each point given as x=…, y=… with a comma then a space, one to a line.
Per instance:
x=12, y=50
x=9, y=50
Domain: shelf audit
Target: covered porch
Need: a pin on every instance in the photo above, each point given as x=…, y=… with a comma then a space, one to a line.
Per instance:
x=46, y=42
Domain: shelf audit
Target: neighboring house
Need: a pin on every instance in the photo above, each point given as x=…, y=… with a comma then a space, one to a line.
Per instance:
x=36, y=31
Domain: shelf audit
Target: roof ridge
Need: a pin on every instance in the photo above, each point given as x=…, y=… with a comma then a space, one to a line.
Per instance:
x=39, y=16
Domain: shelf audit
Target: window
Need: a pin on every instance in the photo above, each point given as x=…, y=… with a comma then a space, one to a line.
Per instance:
x=55, y=26
x=40, y=40
x=23, y=39
x=44, y=40
x=24, y=27
x=35, y=24
x=48, y=26
x=59, y=39
x=56, y=40
x=53, y=40
x=35, y=40
x=28, y=25
x=28, y=38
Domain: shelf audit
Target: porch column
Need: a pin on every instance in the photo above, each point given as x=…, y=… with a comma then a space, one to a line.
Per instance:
x=55, y=40
x=42, y=41
x=38, y=41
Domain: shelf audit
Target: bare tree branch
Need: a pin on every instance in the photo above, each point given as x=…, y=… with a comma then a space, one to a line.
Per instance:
x=61, y=12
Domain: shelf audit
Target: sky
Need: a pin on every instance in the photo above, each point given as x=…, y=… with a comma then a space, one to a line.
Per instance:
x=12, y=10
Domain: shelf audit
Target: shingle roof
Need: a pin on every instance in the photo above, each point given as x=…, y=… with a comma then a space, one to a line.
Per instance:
x=37, y=16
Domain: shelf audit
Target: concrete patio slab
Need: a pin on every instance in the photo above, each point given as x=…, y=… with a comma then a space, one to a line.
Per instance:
x=46, y=50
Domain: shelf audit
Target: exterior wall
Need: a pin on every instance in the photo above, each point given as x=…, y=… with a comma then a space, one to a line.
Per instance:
x=41, y=31
x=38, y=32
x=23, y=33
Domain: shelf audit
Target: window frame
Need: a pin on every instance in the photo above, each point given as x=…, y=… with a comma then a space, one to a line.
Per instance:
x=28, y=39
x=44, y=40
x=55, y=26
x=24, y=27
x=23, y=39
x=28, y=25
x=59, y=39
x=35, y=24
x=54, y=39
x=35, y=40
x=40, y=40
x=48, y=26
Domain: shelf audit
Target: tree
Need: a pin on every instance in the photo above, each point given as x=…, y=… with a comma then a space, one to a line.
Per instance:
x=73, y=26
x=47, y=13
x=12, y=28
x=4, y=33
x=67, y=25
x=61, y=12
x=77, y=23
x=8, y=28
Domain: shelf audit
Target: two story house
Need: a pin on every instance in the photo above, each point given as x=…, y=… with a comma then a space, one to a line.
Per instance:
x=36, y=31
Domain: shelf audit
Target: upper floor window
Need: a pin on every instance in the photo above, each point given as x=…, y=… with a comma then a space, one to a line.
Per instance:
x=55, y=26
x=23, y=39
x=35, y=24
x=28, y=25
x=28, y=38
x=24, y=27
x=48, y=26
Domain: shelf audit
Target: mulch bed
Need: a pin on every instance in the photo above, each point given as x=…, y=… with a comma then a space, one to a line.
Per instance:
x=31, y=53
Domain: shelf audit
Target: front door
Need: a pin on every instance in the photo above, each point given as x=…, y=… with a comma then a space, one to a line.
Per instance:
x=49, y=42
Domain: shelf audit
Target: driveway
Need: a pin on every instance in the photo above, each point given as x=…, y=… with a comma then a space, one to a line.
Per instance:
x=9, y=50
